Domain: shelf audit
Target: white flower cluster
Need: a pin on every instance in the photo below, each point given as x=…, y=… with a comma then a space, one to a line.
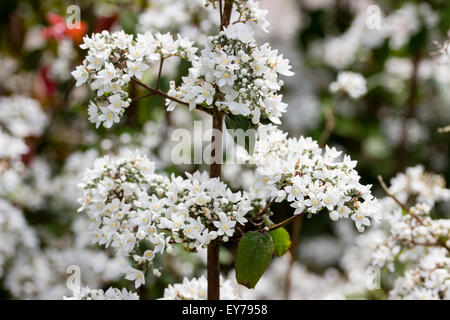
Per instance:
x=42, y=274
x=15, y=233
x=196, y=289
x=11, y=147
x=297, y=170
x=421, y=186
x=127, y=203
x=429, y=280
x=350, y=82
x=410, y=246
x=414, y=229
x=235, y=75
x=98, y=294
x=20, y=117
x=113, y=59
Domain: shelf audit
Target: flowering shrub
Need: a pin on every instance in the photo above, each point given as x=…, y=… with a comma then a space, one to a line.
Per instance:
x=114, y=59
x=296, y=170
x=128, y=203
x=296, y=218
x=244, y=75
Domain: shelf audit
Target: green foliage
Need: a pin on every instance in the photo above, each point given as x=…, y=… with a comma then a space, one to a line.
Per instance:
x=253, y=257
x=281, y=241
x=239, y=122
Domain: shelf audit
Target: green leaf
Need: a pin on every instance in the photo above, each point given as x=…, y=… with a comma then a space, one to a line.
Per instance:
x=239, y=127
x=237, y=122
x=253, y=257
x=281, y=241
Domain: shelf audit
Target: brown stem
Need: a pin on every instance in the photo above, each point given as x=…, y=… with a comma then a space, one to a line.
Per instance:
x=213, y=270
x=142, y=97
x=220, y=11
x=213, y=266
x=226, y=16
x=267, y=206
x=159, y=73
x=285, y=222
x=329, y=126
x=390, y=194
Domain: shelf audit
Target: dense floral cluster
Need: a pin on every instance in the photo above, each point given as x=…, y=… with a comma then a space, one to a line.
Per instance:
x=411, y=246
x=113, y=59
x=15, y=233
x=235, y=75
x=419, y=186
x=297, y=170
x=127, y=203
x=350, y=82
x=416, y=228
x=20, y=117
x=98, y=294
x=42, y=274
x=429, y=279
x=196, y=289
x=11, y=147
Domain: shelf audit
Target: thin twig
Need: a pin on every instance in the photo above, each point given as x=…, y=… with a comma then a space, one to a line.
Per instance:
x=267, y=206
x=159, y=73
x=285, y=222
x=329, y=126
x=142, y=97
x=390, y=194
x=401, y=204
x=160, y=93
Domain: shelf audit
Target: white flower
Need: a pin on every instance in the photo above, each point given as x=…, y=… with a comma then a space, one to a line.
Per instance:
x=116, y=103
x=108, y=117
x=205, y=93
x=224, y=225
x=136, y=69
x=352, y=83
x=80, y=74
x=137, y=276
